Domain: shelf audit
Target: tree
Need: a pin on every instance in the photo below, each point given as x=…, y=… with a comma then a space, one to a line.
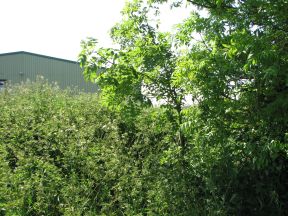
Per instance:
x=141, y=69
x=236, y=70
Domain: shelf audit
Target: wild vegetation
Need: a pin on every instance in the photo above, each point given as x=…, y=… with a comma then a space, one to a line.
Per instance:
x=115, y=154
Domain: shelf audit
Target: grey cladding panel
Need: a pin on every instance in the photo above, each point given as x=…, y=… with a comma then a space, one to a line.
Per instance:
x=21, y=66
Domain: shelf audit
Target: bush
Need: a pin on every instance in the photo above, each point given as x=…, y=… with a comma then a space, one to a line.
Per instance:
x=63, y=153
x=53, y=144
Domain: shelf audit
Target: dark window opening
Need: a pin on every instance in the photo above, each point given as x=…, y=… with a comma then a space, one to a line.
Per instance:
x=2, y=83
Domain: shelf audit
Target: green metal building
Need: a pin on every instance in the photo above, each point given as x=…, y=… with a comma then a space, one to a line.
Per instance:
x=17, y=67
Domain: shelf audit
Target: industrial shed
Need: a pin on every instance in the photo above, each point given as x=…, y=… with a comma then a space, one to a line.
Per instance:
x=17, y=67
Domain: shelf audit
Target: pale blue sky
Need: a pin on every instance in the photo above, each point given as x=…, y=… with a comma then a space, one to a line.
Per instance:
x=56, y=27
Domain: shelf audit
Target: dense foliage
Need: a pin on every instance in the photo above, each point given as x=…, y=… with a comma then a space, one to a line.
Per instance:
x=62, y=153
x=65, y=153
x=231, y=57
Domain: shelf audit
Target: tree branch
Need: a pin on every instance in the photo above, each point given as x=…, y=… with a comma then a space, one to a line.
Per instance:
x=210, y=5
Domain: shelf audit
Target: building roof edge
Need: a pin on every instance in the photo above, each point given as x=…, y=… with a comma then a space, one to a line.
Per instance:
x=39, y=55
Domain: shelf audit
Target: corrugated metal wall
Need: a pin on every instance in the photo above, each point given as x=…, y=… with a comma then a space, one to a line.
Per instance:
x=21, y=66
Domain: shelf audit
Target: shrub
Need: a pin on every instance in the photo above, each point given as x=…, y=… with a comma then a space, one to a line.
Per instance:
x=53, y=144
